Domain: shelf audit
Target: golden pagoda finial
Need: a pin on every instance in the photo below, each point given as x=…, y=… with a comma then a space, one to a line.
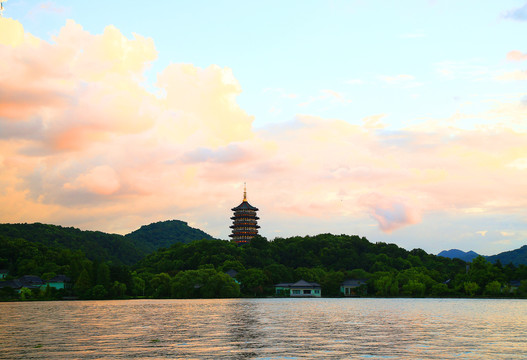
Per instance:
x=244, y=192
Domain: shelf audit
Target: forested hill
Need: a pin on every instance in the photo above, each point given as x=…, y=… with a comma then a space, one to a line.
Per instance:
x=517, y=257
x=96, y=245
x=163, y=234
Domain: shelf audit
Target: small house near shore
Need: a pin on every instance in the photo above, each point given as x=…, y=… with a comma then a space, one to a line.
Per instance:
x=353, y=287
x=301, y=288
x=34, y=282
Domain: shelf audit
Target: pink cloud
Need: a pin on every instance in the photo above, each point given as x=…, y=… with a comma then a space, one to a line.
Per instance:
x=83, y=143
x=390, y=213
x=516, y=55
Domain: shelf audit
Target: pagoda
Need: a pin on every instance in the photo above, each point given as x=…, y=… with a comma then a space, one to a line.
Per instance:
x=244, y=226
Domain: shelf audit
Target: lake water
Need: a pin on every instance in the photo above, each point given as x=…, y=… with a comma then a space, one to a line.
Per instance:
x=265, y=329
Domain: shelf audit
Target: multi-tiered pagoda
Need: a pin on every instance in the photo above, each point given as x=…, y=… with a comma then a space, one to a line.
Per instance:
x=244, y=226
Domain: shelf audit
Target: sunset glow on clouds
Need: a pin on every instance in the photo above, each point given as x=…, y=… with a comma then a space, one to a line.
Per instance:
x=86, y=141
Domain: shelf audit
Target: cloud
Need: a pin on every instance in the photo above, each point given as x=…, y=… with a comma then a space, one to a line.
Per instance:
x=518, y=14
x=101, y=180
x=402, y=80
x=506, y=233
x=84, y=143
x=329, y=95
x=482, y=233
x=390, y=213
x=397, y=79
x=466, y=70
x=517, y=75
x=516, y=55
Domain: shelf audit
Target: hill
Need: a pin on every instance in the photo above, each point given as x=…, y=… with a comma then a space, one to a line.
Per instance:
x=517, y=257
x=164, y=234
x=103, y=247
x=96, y=245
x=458, y=254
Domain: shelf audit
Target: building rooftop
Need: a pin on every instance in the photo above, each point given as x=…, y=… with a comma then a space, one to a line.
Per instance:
x=299, y=284
x=353, y=282
x=244, y=206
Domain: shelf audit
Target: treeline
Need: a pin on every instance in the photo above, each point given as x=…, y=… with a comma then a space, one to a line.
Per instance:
x=198, y=269
x=96, y=245
x=100, y=246
x=328, y=260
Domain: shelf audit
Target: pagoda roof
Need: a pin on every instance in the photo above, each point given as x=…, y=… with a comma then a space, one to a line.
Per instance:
x=244, y=206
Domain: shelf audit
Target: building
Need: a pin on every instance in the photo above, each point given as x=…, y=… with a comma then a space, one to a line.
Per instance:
x=245, y=225
x=353, y=287
x=301, y=288
x=59, y=282
x=35, y=282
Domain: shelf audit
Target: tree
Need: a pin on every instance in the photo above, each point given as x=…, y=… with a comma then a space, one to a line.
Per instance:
x=103, y=275
x=386, y=285
x=414, y=288
x=220, y=285
x=470, y=288
x=138, y=288
x=161, y=285
x=118, y=289
x=330, y=283
x=83, y=284
x=25, y=293
x=252, y=281
x=493, y=288
x=98, y=292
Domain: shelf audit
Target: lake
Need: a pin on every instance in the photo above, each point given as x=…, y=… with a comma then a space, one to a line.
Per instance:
x=356, y=328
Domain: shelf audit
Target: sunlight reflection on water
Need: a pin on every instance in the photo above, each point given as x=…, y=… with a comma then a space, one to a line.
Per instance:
x=265, y=329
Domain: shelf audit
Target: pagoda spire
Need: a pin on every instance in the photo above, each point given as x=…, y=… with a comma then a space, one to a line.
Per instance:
x=244, y=192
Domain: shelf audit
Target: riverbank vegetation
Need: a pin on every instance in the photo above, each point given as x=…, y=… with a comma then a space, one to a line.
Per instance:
x=198, y=270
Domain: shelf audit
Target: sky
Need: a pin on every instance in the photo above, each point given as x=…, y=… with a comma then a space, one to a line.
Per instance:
x=403, y=122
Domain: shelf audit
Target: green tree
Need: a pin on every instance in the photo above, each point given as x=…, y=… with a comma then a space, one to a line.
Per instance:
x=139, y=285
x=103, y=275
x=186, y=284
x=253, y=281
x=470, y=288
x=522, y=289
x=439, y=289
x=83, y=284
x=330, y=283
x=98, y=292
x=25, y=293
x=161, y=285
x=219, y=285
x=386, y=285
x=118, y=290
x=414, y=288
x=493, y=288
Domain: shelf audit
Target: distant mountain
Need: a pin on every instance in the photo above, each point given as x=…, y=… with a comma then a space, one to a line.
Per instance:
x=96, y=245
x=517, y=257
x=163, y=234
x=458, y=254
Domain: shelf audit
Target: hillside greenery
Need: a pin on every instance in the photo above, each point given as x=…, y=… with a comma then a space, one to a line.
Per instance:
x=197, y=269
x=96, y=245
x=517, y=256
x=163, y=234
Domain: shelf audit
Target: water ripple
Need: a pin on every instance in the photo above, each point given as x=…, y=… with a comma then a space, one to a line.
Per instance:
x=265, y=329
